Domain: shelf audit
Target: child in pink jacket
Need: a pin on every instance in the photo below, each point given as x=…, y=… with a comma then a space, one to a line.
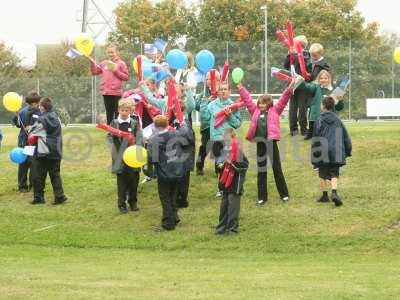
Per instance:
x=265, y=131
x=114, y=72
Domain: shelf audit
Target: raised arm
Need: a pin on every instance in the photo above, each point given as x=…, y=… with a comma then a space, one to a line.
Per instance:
x=246, y=98
x=280, y=106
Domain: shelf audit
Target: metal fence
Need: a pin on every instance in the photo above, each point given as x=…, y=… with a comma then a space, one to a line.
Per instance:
x=374, y=75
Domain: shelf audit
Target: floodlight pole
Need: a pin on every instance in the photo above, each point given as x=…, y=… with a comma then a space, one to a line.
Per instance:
x=264, y=8
x=84, y=15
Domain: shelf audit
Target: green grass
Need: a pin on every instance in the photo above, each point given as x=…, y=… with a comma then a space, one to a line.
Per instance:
x=303, y=250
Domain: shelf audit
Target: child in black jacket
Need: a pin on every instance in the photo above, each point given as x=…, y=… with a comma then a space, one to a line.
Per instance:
x=24, y=120
x=331, y=145
x=168, y=154
x=48, y=153
x=127, y=177
x=231, y=183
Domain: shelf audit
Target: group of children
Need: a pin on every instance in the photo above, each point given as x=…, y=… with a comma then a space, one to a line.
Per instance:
x=170, y=141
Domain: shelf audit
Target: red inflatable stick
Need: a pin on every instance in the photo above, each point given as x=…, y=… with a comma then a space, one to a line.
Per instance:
x=282, y=38
x=213, y=86
x=281, y=74
x=140, y=69
x=118, y=133
x=225, y=72
x=174, y=105
x=221, y=116
x=302, y=63
x=290, y=32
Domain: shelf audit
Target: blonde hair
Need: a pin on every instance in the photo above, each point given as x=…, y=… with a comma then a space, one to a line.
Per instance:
x=301, y=39
x=125, y=103
x=317, y=48
x=326, y=73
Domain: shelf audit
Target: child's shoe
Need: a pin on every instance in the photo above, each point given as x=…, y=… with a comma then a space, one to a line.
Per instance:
x=324, y=198
x=336, y=199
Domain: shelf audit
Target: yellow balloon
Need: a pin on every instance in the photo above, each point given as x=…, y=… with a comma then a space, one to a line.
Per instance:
x=135, y=156
x=84, y=44
x=12, y=102
x=396, y=55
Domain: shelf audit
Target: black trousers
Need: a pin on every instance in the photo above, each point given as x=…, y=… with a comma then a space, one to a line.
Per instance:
x=203, y=149
x=25, y=174
x=127, y=183
x=229, y=213
x=111, y=106
x=269, y=149
x=42, y=167
x=183, y=191
x=168, y=193
x=298, y=112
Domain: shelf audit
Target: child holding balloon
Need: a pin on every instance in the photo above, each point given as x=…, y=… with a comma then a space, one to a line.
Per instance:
x=46, y=135
x=127, y=177
x=264, y=130
x=24, y=119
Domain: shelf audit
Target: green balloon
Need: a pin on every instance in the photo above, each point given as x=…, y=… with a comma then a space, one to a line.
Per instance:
x=237, y=75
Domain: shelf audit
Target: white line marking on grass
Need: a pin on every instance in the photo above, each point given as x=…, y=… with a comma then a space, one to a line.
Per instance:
x=44, y=228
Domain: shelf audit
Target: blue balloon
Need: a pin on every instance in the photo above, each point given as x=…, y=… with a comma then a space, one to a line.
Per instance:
x=147, y=69
x=17, y=155
x=161, y=75
x=176, y=59
x=205, y=61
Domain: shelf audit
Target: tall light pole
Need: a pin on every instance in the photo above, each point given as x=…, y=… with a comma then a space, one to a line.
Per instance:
x=350, y=67
x=264, y=8
x=84, y=15
x=393, y=74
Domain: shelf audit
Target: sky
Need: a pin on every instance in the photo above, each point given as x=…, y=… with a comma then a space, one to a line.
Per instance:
x=50, y=21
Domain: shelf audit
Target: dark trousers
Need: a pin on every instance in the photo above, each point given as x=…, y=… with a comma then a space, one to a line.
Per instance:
x=25, y=174
x=111, y=106
x=183, y=191
x=42, y=166
x=229, y=213
x=203, y=149
x=127, y=183
x=269, y=150
x=298, y=112
x=168, y=193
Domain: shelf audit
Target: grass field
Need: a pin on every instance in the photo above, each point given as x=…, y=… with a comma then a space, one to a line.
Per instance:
x=301, y=250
